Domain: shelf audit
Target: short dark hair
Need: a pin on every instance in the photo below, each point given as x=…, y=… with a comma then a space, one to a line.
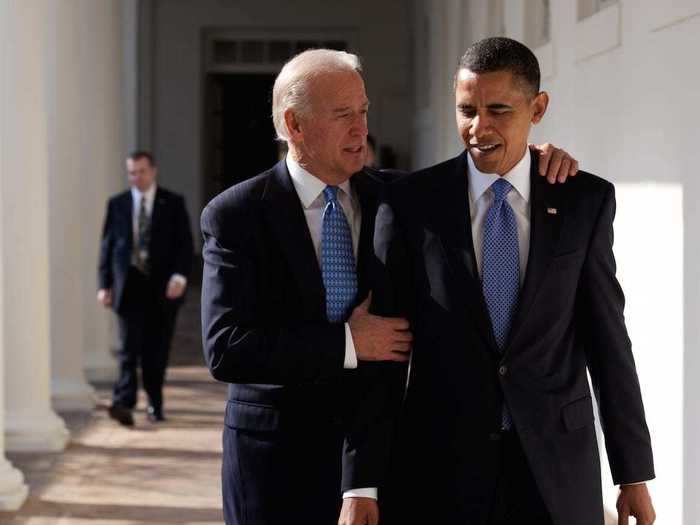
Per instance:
x=142, y=154
x=503, y=54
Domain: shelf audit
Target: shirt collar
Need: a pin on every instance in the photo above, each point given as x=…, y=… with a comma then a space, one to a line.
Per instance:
x=150, y=194
x=518, y=176
x=308, y=186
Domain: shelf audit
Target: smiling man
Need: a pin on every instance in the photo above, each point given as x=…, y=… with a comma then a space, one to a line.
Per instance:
x=514, y=301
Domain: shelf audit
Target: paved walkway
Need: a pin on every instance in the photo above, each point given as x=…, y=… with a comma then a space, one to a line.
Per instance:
x=164, y=474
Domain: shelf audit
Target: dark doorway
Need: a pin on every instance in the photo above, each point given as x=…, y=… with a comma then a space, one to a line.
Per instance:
x=239, y=134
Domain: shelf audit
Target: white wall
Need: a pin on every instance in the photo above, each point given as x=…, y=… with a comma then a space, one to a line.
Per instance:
x=625, y=100
x=383, y=31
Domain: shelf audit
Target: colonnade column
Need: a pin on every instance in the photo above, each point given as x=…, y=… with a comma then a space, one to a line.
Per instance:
x=102, y=153
x=30, y=423
x=70, y=390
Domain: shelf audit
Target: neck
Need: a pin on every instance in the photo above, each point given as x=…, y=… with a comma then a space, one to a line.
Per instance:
x=305, y=161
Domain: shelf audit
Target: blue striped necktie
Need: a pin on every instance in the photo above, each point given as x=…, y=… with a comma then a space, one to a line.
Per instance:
x=500, y=269
x=337, y=259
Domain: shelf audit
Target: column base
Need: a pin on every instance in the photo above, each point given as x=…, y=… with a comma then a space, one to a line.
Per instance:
x=39, y=432
x=13, y=490
x=73, y=396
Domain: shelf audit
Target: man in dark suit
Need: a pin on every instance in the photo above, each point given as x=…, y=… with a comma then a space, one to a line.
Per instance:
x=145, y=260
x=513, y=299
x=287, y=260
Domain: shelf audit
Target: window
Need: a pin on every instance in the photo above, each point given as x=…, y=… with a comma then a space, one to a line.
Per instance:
x=588, y=8
x=537, y=29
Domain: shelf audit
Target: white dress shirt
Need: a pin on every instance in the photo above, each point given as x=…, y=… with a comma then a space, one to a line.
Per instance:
x=149, y=195
x=480, y=200
x=310, y=192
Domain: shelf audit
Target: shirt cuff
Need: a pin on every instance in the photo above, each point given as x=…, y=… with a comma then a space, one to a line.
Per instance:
x=178, y=278
x=370, y=492
x=635, y=483
x=350, y=354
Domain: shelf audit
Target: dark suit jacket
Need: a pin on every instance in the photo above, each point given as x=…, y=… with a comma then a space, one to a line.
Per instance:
x=170, y=250
x=265, y=332
x=569, y=321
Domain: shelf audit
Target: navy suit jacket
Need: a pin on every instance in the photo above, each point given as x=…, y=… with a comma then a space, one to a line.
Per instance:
x=265, y=333
x=170, y=249
x=569, y=322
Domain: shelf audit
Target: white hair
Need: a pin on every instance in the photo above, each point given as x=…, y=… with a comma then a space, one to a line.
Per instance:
x=291, y=89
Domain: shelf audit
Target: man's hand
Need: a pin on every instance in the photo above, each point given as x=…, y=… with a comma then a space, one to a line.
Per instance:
x=379, y=338
x=359, y=511
x=175, y=289
x=555, y=163
x=634, y=500
x=104, y=297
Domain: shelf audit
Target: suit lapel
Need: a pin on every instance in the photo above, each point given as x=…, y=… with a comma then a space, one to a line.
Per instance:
x=286, y=219
x=456, y=236
x=127, y=209
x=159, y=202
x=366, y=190
x=546, y=215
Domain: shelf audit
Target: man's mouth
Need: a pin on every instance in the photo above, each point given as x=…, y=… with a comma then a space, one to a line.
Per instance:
x=353, y=149
x=484, y=148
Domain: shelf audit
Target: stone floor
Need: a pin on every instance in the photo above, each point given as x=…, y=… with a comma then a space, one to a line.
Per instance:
x=163, y=474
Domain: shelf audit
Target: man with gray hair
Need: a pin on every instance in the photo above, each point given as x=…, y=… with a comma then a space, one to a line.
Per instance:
x=288, y=275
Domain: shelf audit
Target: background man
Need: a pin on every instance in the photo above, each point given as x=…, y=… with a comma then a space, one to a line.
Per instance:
x=515, y=300
x=145, y=260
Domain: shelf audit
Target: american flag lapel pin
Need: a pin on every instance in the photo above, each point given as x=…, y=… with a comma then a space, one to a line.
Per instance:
x=552, y=211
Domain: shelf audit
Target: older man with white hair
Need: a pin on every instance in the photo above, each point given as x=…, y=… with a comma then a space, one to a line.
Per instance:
x=288, y=271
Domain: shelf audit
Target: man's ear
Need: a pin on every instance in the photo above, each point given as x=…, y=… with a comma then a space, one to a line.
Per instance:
x=539, y=106
x=293, y=125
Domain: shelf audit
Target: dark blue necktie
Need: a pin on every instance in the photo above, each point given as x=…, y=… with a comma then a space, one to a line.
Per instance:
x=500, y=268
x=337, y=260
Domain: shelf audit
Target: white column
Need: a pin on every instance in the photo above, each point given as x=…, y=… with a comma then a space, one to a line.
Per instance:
x=102, y=153
x=31, y=424
x=13, y=490
x=70, y=390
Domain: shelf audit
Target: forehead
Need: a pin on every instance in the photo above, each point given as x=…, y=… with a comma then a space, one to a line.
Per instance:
x=488, y=86
x=339, y=89
x=137, y=164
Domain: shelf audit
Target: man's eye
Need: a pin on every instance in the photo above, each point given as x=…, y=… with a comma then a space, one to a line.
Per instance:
x=469, y=113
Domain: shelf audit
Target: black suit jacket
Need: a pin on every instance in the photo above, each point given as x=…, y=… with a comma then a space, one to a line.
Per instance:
x=265, y=330
x=170, y=249
x=569, y=321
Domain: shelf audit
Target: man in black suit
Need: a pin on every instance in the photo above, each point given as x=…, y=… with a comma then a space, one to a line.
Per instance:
x=145, y=261
x=513, y=299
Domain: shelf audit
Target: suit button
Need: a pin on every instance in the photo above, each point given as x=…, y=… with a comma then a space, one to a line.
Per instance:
x=503, y=370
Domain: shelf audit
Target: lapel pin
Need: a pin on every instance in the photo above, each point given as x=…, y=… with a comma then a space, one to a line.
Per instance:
x=552, y=211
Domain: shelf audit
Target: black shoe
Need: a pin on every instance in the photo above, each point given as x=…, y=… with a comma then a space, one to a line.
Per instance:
x=154, y=415
x=121, y=414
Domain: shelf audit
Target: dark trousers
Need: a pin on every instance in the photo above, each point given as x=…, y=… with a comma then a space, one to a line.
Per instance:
x=146, y=325
x=276, y=477
x=517, y=499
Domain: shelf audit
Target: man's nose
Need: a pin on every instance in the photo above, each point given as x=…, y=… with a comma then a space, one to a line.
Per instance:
x=479, y=126
x=359, y=125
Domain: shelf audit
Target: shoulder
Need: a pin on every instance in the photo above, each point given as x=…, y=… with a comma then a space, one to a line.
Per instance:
x=425, y=181
x=236, y=204
x=586, y=185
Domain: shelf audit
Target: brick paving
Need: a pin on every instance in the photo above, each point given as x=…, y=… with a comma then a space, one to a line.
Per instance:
x=153, y=474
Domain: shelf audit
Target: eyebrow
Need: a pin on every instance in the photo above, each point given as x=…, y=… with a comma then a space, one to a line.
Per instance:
x=348, y=108
x=496, y=105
